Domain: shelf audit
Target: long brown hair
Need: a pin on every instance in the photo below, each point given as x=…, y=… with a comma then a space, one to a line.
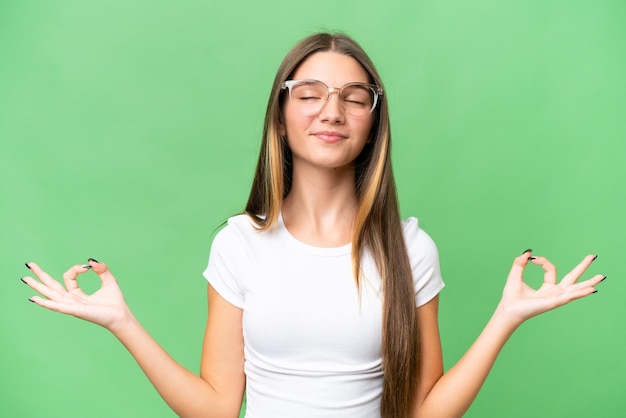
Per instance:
x=377, y=224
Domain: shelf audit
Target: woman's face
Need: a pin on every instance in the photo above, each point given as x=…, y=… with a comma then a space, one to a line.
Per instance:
x=330, y=138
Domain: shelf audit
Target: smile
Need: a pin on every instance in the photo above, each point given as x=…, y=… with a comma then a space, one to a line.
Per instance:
x=329, y=137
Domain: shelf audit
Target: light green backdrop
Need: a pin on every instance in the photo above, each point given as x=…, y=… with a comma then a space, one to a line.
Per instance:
x=129, y=132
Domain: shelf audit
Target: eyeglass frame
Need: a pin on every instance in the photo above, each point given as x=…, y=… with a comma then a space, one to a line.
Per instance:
x=377, y=90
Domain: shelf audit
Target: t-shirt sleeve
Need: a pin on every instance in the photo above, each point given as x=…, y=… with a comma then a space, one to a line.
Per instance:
x=424, y=259
x=222, y=271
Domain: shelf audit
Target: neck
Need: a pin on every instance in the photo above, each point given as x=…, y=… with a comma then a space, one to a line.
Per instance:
x=321, y=206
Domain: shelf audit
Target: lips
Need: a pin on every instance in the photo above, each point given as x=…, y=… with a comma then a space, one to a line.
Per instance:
x=330, y=136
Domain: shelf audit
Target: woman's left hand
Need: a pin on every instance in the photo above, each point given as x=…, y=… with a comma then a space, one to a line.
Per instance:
x=521, y=302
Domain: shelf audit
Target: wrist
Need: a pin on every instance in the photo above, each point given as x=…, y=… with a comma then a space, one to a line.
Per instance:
x=123, y=323
x=507, y=318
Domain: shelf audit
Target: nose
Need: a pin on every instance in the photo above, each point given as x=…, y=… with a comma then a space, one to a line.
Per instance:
x=332, y=111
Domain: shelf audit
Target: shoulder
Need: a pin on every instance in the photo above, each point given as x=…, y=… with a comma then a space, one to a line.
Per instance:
x=240, y=236
x=417, y=240
x=424, y=260
x=236, y=228
x=227, y=260
x=242, y=223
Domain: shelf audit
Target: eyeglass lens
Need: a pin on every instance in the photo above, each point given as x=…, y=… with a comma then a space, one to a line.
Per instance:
x=310, y=97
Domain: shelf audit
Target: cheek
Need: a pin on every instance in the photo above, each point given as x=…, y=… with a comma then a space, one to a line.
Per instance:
x=366, y=129
x=295, y=123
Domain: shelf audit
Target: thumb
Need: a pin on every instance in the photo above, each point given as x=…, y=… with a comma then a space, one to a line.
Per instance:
x=519, y=264
x=102, y=270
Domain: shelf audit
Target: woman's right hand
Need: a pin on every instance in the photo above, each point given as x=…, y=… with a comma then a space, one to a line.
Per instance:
x=105, y=307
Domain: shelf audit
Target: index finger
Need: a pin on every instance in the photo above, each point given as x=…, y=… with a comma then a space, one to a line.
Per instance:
x=69, y=277
x=549, y=270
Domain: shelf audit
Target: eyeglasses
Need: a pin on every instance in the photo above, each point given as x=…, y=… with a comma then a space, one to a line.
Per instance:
x=310, y=96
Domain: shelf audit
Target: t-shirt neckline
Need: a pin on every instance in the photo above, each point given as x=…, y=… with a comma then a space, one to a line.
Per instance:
x=310, y=249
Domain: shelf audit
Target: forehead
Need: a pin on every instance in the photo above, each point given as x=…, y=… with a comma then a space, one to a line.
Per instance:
x=332, y=68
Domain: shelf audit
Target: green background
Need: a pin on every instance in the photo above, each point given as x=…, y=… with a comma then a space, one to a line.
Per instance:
x=129, y=131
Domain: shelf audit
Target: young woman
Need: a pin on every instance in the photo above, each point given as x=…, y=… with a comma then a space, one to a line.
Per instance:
x=322, y=301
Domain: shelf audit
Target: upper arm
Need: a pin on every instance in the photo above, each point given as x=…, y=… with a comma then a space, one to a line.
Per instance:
x=222, y=354
x=430, y=364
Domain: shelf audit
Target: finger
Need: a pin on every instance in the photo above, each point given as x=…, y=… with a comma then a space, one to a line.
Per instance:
x=54, y=305
x=69, y=277
x=581, y=290
x=519, y=264
x=43, y=289
x=45, y=277
x=102, y=270
x=589, y=283
x=577, y=271
x=549, y=275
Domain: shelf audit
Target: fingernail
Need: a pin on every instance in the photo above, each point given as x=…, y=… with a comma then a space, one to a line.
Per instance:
x=594, y=257
x=27, y=266
x=527, y=251
x=532, y=258
x=603, y=279
x=24, y=281
x=31, y=300
x=86, y=267
x=595, y=291
x=93, y=259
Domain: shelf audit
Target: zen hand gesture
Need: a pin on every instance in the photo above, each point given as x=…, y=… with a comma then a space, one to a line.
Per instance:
x=522, y=302
x=105, y=307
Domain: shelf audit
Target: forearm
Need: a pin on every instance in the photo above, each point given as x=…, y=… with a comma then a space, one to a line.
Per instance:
x=218, y=392
x=185, y=392
x=455, y=391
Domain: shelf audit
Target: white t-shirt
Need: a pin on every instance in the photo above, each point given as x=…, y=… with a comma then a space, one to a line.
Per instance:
x=312, y=346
